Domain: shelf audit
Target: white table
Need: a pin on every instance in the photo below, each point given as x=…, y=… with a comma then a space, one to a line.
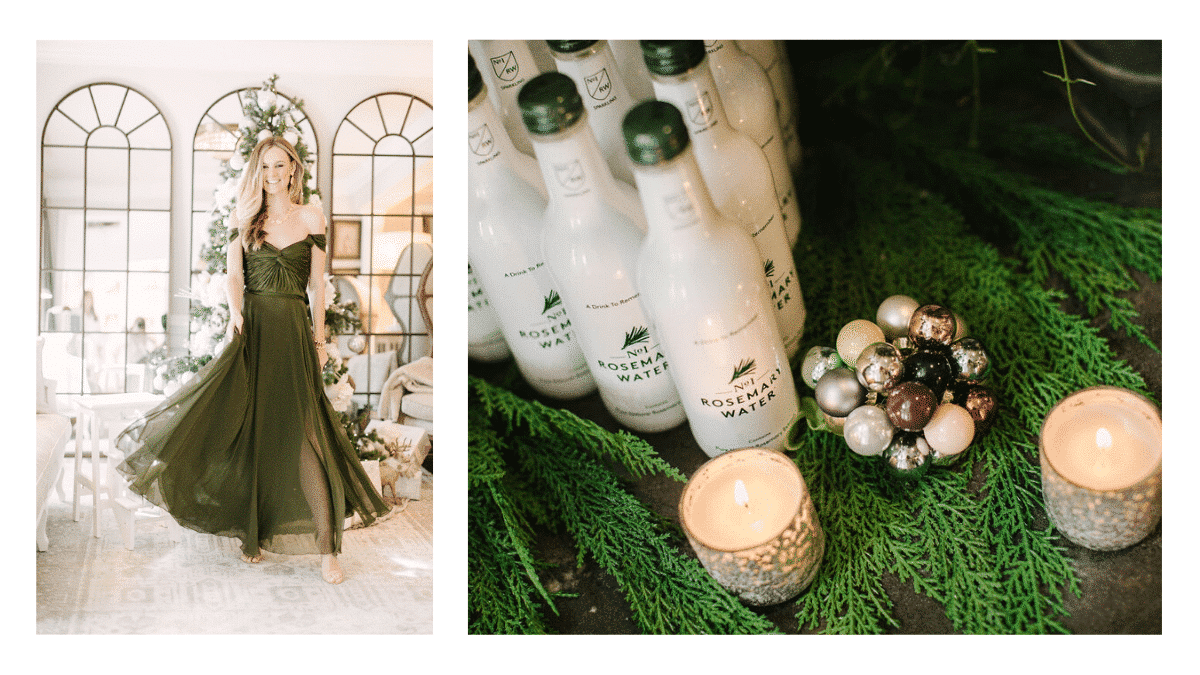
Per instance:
x=95, y=412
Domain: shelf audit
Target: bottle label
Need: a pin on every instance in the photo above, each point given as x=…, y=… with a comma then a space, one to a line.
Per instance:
x=506, y=69
x=554, y=327
x=599, y=87
x=781, y=285
x=571, y=177
x=482, y=144
x=700, y=113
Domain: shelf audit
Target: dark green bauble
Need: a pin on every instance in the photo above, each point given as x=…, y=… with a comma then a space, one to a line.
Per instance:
x=931, y=368
x=908, y=456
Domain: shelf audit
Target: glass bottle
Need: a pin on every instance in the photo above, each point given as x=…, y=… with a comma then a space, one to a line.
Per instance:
x=507, y=66
x=628, y=54
x=701, y=282
x=485, y=339
x=591, y=65
x=772, y=56
x=505, y=204
x=592, y=232
x=735, y=170
x=750, y=104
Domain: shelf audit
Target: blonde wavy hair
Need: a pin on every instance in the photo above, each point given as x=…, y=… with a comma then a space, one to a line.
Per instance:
x=250, y=214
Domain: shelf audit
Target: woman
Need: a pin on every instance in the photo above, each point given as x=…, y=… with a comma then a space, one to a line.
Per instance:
x=251, y=448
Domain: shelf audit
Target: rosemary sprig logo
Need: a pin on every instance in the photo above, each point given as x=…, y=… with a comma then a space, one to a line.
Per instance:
x=635, y=335
x=551, y=301
x=769, y=268
x=743, y=369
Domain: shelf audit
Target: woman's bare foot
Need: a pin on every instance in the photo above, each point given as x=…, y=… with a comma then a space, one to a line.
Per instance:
x=252, y=559
x=331, y=572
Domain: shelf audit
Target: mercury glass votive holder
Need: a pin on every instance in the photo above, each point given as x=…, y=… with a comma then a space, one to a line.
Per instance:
x=1100, y=450
x=766, y=551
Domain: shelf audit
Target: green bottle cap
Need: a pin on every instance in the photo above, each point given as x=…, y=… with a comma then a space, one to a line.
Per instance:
x=474, y=79
x=672, y=57
x=568, y=46
x=549, y=103
x=654, y=132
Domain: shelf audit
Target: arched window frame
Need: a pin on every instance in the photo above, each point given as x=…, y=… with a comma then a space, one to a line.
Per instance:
x=371, y=261
x=109, y=354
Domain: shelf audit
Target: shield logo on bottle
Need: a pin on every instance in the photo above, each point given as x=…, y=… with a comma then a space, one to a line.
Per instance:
x=506, y=67
x=481, y=141
x=598, y=86
x=680, y=208
x=570, y=175
x=700, y=109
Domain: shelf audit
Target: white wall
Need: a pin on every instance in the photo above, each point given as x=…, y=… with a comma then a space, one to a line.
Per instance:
x=183, y=78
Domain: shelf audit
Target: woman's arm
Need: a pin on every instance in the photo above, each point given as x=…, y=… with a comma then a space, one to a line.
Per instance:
x=235, y=284
x=314, y=220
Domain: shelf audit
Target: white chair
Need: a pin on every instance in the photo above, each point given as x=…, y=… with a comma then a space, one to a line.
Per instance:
x=97, y=413
x=132, y=509
x=53, y=430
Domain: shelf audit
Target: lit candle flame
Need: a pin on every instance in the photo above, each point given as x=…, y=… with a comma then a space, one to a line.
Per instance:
x=740, y=496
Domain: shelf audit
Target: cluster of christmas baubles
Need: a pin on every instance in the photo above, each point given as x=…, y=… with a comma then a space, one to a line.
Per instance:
x=909, y=387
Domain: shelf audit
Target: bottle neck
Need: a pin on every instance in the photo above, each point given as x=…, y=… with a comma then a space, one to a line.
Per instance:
x=595, y=69
x=695, y=94
x=674, y=194
x=487, y=141
x=573, y=167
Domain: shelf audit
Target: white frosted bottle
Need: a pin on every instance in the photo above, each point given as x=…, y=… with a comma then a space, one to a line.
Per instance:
x=701, y=284
x=591, y=65
x=750, y=107
x=735, y=170
x=506, y=65
x=772, y=56
x=485, y=339
x=505, y=204
x=591, y=236
x=628, y=54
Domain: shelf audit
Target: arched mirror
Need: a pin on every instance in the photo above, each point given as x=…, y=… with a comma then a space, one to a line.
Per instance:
x=105, y=239
x=381, y=233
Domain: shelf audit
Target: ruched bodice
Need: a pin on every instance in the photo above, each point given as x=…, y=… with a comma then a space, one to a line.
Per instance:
x=285, y=270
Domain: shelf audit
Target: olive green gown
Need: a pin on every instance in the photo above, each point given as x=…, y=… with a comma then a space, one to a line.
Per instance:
x=251, y=447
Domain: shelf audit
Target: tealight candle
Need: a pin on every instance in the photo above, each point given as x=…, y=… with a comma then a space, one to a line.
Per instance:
x=751, y=521
x=1101, y=454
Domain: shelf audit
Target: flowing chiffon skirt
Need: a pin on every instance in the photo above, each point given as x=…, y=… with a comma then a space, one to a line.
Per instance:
x=251, y=448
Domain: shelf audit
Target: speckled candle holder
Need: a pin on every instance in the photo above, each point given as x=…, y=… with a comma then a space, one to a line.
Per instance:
x=786, y=561
x=1108, y=519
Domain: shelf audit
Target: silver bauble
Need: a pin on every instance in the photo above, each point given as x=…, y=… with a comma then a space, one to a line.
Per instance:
x=868, y=430
x=908, y=455
x=969, y=360
x=356, y=344
x=879, y=367
x=817, y=362
x=838, y=392
x=894, y=314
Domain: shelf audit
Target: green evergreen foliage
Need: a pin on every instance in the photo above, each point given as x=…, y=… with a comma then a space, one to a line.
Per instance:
x=921, y=213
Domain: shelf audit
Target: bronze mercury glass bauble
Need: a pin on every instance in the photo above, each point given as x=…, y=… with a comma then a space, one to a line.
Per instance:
x=932, y=369
x=910, y=405
x=908, y=455
x=838, y=392
x=879, y=367
x=817, y=362
x=894, y=315
x=979, y=401
x=932, y=327
x=969, y=359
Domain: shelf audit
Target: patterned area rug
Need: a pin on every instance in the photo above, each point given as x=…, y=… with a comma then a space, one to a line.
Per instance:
x=199, y=585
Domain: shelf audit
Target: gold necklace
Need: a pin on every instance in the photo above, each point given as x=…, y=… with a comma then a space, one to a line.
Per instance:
x=275, y=220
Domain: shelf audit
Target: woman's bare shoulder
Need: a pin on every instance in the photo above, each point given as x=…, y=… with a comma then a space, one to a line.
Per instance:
x=313, y=218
